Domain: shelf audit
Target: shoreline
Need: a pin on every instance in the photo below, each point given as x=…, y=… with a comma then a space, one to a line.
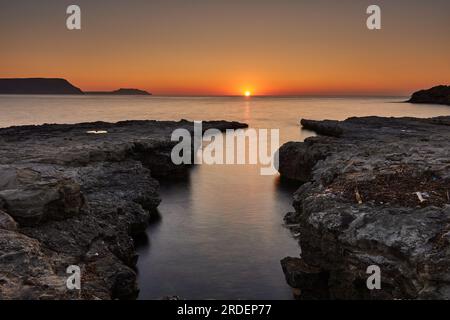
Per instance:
x=77, y=181
x=375, y=192
x=73, y=198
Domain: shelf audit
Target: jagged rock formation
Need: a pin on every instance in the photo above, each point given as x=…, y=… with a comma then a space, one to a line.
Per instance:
x=435, y=95
x=75, y=195
x=375, y=192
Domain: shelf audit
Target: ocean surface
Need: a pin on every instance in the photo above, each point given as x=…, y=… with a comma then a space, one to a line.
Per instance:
x=220, y=233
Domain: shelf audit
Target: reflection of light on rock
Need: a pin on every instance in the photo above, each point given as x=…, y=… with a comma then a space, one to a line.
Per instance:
x=97, y=132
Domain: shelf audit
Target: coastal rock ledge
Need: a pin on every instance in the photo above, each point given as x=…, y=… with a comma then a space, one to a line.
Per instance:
x=375, y=192
x=75, y=195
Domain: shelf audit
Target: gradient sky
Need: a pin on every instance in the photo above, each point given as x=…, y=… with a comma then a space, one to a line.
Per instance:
x=276, y=47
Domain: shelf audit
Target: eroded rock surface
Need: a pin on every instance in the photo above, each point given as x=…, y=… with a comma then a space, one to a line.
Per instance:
x=75, y=195
x=375, y=192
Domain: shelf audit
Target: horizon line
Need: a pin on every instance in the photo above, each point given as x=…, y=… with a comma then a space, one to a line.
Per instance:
x=331, y=95
x=198, y=93
x=87, y=93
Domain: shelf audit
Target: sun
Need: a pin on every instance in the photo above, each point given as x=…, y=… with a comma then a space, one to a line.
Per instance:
x=248, y=93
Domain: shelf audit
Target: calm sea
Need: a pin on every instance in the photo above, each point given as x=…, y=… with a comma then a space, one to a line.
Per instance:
x=220, y=234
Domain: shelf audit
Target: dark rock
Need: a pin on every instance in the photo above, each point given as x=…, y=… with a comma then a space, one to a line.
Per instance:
x=435, y=95
x=292, y=218
x=7, y=222
x=79, y=198
x=27, y=271
x=37, y=86
x=297, y=159
x=327, y=127
x=360, y=207
x=311, y=282
x=41, y=198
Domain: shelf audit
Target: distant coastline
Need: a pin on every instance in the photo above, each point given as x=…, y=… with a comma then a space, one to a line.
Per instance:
x=37, y=86
x=55, y=86
x=58, y=86
x=121, y=92
x=436, y=95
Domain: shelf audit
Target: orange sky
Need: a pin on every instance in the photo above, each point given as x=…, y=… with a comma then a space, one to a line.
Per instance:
x=271, y=47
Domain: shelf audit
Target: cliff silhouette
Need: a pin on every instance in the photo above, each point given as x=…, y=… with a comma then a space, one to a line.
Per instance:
x=435, y=95
x=53, y=86
x=37, y=86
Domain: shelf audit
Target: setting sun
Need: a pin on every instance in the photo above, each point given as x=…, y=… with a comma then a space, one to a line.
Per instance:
x=247, y=93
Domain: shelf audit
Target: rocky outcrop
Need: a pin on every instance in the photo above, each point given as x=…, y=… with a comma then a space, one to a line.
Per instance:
x=7, y=222
x=375, y=192
x=37, y=86
x=76, y=195
x=435, y=95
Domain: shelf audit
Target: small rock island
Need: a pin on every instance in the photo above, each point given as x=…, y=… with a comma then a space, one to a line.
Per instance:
x=122, y=92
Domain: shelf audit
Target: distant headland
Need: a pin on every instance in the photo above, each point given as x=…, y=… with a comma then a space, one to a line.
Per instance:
x=435, y=95
x=53, y=86
x=37, y=86
x=123, y=92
